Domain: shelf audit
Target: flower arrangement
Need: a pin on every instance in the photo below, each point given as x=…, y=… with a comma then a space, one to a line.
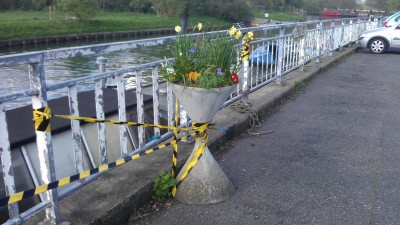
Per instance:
x=205, y=61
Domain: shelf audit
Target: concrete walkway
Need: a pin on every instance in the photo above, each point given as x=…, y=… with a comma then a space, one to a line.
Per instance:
x=334, y=157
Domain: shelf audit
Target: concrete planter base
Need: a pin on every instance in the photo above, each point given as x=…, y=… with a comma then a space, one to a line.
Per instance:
x=206, y=183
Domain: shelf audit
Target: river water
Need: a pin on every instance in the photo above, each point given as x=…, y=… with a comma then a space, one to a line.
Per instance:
x=16, y=78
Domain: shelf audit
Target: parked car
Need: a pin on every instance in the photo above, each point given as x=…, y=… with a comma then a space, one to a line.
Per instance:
x=381, y=39
x=391, y=20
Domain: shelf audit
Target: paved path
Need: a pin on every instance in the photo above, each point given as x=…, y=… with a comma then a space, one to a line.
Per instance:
x=334, y=157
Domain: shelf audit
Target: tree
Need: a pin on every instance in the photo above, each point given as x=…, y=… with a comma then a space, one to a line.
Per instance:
x=81, y=9
x=140, y=5
x=378, y=4
x=231, y=10
x=394, y=4
x=181, y=8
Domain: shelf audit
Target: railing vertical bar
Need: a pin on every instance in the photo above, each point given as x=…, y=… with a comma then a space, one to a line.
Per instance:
x=170, y=106
x=298, y=47
x=263, y=63
x=319, y=42
x=268, y=66
x=245, y=85
x=44, y=143
x=342, y=35
x=6, y=162
x=140, y=108
x=332, y=37
x=251, y=68
x=123, y=133
x=280, y=55
x=260, y=68
x=292, y=53
x=258, y=61
x=88, y=151
x=284, y=56
x=29, y=164
x=156, y=101
x=75, y=128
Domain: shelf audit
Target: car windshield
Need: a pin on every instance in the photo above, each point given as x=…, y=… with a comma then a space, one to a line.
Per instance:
x=392, y=16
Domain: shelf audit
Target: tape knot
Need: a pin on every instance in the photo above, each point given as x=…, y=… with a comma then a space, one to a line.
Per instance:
x=41, y=119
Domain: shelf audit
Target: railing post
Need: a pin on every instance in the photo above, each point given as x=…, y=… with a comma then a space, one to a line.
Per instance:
x=365, y=24
x=102, y=65
x=351, y=28
x=101, y=128
x=245, y=82
x=156, y=101
x=280, y=56
x=6, y=162
x=341, y=37
x=78, y=145
x=123, y=131
x=332, y=39
x=43, y=141
x=140, y=108
x=302, y=48
x=319, y=42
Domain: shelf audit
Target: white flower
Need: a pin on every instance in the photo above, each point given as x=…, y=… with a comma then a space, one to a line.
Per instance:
x=170, y=70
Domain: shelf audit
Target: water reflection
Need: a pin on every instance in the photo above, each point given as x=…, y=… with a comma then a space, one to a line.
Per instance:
x=17, y=79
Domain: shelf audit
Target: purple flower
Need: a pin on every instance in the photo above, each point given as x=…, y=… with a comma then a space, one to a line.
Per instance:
x=192, y=50
x=219, y=71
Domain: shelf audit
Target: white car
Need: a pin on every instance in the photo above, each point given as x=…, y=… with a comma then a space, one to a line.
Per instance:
x=381, y=39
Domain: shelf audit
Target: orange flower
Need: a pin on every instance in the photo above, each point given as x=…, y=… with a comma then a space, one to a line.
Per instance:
x=192, y=76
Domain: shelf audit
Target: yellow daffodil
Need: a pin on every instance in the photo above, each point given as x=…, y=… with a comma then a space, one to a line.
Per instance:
x=178, y=29
x=199, y=26
x=250, y=36
x=232, y=31
x=238, y=34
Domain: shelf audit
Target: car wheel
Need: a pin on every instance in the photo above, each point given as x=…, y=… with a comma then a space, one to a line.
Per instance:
x=377, y=46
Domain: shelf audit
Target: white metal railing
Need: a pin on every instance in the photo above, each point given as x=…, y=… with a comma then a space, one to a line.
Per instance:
x=292, y=46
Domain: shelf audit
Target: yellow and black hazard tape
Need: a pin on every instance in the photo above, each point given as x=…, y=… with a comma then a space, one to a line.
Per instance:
x=196, y=157
x=42, y=116
x=45, y=187
x=175, y=153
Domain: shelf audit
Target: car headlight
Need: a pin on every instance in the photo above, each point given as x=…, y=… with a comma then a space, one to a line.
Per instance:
x=362, y=36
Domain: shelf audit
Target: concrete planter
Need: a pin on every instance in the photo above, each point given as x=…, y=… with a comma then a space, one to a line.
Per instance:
x=206, y=183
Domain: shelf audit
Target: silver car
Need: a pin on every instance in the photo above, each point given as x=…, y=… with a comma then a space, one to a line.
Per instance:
x=381, y=39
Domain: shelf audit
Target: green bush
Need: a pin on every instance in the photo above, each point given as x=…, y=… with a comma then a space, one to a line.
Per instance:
x=231, y=10
x=81, y=9
x=162, y=185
